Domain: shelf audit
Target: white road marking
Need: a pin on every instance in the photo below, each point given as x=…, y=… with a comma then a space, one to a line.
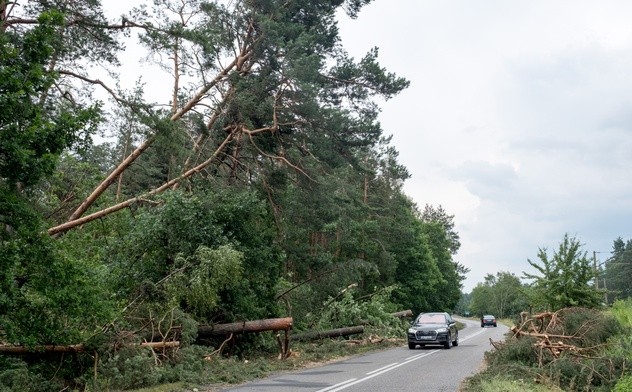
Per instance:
x=382, y=368
x=387, y=368
x=337, y=385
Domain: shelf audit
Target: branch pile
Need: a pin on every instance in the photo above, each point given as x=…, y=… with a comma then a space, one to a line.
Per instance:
x=555, y=336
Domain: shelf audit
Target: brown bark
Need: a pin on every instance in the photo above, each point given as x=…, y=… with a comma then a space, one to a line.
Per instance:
x=74, y=220
x=403, y=313
x=73, y=348
x=277, y=324
x=99, y=214
x=332, y=333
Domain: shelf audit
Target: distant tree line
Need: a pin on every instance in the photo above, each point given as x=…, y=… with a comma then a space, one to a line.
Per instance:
x=568, y=277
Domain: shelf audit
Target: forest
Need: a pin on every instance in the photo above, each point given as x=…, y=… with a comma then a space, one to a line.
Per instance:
x=261, y=187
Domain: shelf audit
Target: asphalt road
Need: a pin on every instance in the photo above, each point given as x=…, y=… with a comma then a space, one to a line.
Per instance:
x=432, y=368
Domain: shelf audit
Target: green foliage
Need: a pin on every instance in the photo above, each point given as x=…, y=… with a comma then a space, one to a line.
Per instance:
x=622, y=311
x=596, y=365
x=618, y=268
x=624, y=384
x=347, y=311
x=200, y=278
x=517, y=351
x=202, y=242
x=447, y=291
x=418, y=275
x=504, y=383
x=564, y=278
x=620, y=345
x=18, y=375
x=304, y=200
x=502, y=295
x=47, y=296
x=440, y=215
x=36, y=125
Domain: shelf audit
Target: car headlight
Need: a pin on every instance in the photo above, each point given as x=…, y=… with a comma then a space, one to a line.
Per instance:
x=412, y=330
x=442, y=330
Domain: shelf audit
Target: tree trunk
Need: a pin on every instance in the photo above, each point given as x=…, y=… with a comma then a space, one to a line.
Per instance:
x=73, y=348
x=277, y=324
x=332, y=333
x=403, y=313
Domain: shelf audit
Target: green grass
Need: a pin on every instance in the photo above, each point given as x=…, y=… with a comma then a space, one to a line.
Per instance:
x=499, y=383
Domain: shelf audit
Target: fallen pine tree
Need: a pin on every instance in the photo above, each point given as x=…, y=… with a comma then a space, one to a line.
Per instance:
x=332, y=333
x=73, y=348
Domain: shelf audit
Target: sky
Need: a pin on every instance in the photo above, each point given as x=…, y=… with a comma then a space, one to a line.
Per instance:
x=518, y=119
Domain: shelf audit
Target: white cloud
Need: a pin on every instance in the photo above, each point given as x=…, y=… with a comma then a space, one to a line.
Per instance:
x=518, y=119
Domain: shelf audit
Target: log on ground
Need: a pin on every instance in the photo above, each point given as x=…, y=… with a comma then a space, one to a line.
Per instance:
x=277, y=324
x=73, y=348
x=332, y=333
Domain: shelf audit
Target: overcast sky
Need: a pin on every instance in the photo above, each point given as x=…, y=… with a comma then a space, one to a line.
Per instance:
x=518, y=119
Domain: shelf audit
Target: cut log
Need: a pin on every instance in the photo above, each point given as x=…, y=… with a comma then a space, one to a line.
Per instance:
x=403, y=313
x=332, y=333
x=277, y=324
x=73, y=348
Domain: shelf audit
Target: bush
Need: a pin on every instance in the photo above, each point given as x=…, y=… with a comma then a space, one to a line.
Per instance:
x=519, y=351
x=624, y=384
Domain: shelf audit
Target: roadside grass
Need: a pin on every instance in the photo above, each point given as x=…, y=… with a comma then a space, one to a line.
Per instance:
x=508, y=384
x=599, y=359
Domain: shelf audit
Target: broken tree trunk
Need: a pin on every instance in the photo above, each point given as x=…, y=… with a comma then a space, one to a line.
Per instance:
x=332, y=333
x=277, y=324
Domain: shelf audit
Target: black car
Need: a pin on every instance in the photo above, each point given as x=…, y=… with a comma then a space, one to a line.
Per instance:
x=433, y=328
x=488, y=319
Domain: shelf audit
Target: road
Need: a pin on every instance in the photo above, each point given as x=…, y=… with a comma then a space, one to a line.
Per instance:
x=432, y=368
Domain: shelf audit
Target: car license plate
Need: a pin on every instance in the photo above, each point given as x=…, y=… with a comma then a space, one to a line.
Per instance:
x=425, y=337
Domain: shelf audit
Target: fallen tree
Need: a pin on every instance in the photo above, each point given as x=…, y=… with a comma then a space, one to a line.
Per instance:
x=276, y=324
x=73, y=348
x=403, y=314
x=332, y=333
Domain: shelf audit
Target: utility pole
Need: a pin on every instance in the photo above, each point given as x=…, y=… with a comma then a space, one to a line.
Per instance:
x=595, y=269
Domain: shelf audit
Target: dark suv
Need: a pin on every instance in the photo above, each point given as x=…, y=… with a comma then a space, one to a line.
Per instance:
x=488, y=319
x=433, y=328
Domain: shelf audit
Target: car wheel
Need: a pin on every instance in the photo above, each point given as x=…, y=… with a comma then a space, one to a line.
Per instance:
x=456, y=341
x=411, y=346
x=495, y=325
x=448, y=342
x=482, y=325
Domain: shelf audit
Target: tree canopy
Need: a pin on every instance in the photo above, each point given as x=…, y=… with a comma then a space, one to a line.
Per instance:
x=564, y=278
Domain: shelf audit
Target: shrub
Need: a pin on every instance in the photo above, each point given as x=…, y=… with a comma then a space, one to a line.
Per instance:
x=624, y=384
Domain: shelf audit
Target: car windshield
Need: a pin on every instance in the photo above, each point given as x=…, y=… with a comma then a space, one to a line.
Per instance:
x=431, y=319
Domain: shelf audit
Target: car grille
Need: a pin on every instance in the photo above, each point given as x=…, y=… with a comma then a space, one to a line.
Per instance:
x=420, y=335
